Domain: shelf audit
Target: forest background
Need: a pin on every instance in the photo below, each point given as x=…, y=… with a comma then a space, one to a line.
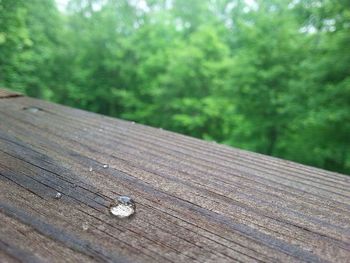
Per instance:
x=269, y=76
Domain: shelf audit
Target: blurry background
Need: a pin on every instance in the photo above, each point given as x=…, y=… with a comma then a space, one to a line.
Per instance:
x=270, y=76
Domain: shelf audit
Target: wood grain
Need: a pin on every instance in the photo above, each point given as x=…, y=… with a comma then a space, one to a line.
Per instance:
x=196, y=201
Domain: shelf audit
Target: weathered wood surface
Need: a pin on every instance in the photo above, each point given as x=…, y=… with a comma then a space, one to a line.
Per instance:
x=196, y=201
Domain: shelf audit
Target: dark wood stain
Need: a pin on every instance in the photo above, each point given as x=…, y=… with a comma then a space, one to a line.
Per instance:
x=4, y=93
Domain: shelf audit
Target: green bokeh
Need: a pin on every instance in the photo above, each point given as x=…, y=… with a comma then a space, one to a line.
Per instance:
x=272, y=77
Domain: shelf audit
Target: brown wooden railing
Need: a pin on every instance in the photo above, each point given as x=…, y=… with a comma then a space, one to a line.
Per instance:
x=61, y=170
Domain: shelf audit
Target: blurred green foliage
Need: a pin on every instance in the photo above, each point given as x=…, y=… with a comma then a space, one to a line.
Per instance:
x=269, y=76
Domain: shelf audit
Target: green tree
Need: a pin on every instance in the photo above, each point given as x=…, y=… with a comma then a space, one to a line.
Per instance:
x=15, y=44
x=321, y=136
x=270, y=76
x=267, y=53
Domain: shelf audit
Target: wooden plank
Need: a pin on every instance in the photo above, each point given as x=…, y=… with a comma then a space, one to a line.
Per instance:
x=195, y=200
